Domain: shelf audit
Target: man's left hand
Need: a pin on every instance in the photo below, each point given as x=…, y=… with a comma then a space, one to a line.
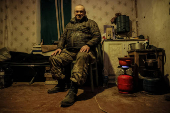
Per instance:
x=85, y=48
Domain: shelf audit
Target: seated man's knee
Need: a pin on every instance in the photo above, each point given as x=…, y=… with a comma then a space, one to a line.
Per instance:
x=54, y=59
x=82, y=55
x=51, y=58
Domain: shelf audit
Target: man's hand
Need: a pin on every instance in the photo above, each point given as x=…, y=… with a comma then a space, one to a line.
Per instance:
x=56, y=51
x=85, y=48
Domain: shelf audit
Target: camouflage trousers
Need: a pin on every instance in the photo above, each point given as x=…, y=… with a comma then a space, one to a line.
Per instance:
x=80, y=69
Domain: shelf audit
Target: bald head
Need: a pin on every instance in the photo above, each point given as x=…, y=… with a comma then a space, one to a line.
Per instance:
x=78, y=6
x=79, y=12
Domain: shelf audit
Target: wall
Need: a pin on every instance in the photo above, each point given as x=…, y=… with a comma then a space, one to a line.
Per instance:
x=102, y=11
x=22, y=19
x=154, y=21
x=19, y=24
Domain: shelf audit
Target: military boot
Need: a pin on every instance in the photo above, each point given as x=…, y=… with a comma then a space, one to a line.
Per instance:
x=60, y=87
x=71, y=96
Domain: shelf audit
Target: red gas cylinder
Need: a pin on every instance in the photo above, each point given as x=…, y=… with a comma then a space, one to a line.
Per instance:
x=125, y=83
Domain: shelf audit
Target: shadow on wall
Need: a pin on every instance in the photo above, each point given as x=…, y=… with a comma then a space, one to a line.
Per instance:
x=130, y=32
x=167, y=84
x=108, y=69
x=166, y=77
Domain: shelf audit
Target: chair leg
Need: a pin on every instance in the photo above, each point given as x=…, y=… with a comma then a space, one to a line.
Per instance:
x=91, y=76
x=96, y=74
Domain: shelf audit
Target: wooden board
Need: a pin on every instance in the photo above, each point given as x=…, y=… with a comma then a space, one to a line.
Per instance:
x=47, y=75
x=51, y=82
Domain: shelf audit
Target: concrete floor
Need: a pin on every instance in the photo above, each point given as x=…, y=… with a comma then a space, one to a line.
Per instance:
x=25, y=98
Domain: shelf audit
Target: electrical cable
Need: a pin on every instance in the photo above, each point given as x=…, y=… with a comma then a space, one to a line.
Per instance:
x=100, y=106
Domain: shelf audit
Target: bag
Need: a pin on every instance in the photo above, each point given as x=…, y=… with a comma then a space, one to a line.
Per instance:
x=4, y=54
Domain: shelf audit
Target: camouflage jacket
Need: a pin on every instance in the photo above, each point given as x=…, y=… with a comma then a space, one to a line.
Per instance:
x=78, y=34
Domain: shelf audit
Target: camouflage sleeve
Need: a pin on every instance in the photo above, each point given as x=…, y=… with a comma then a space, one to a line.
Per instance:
x=96, y=36
x=61, y=43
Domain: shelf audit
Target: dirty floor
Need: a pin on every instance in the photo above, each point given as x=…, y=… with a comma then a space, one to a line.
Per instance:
x=25, y=98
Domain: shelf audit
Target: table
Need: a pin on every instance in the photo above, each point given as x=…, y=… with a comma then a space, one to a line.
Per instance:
x=140, y=54
x=31, y=65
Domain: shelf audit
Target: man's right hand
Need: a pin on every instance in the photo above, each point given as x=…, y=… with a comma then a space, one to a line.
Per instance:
x=58, y=51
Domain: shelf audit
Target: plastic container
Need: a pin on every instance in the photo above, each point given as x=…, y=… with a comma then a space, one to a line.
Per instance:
x=151, y=85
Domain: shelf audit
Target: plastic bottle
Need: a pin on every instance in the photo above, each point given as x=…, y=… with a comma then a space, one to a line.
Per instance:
x=105, y=81
x=2, y=73
x=147, y=43
x=8, y=77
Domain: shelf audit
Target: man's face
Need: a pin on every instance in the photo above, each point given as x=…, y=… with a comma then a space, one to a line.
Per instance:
x=79, y=12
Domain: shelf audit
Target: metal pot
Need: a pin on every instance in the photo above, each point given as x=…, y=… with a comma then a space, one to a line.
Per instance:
x=138, y=45
x=125, y=61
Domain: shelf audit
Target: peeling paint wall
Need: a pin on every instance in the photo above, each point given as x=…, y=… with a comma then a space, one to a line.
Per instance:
x=153, y=18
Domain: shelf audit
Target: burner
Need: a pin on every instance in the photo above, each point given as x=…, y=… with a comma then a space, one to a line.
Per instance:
x=125, y=67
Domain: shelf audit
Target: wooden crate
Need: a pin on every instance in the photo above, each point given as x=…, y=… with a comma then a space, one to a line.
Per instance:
x=47, y=69
x=49, y=79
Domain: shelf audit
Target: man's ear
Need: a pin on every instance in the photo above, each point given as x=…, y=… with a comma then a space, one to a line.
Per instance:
x=85, y=13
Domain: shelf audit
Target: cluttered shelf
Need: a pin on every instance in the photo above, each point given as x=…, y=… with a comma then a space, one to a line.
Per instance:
x=124, y=40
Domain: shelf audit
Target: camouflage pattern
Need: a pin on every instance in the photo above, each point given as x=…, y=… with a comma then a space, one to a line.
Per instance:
x=58, y=62
x=76, y=35
x=80, y=68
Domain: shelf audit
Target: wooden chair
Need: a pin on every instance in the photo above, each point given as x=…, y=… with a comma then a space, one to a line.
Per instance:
x=92, y=67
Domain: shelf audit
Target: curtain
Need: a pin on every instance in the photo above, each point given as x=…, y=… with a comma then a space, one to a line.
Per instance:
x=48, y=21
x=20, y=23
x=55, y=14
